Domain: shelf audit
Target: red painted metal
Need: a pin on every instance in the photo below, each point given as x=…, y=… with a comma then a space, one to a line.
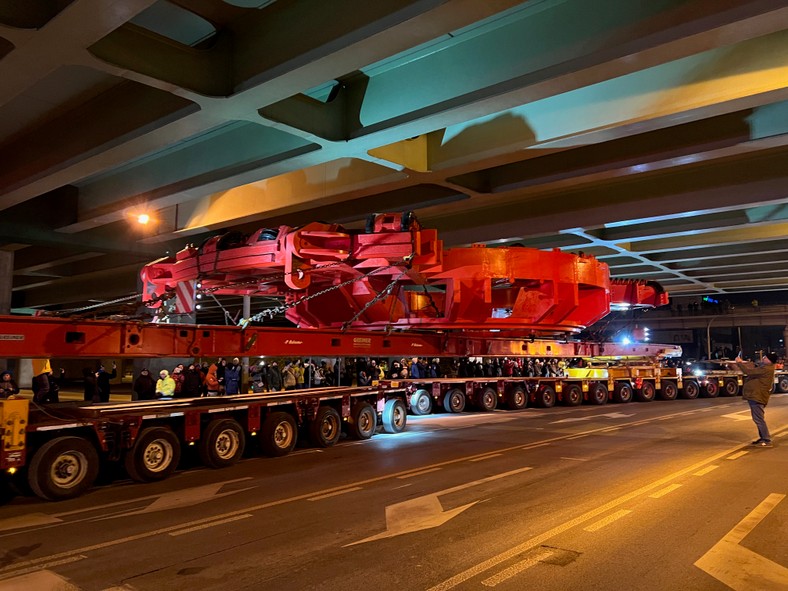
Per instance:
x=48, y=337
x=397, y=275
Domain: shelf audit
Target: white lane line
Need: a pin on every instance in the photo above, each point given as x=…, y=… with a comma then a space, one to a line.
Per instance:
x=481, y=459
x=43, y=566
x=607, y=520
x=740, y=568
x=664, y=491
x=413, y=474
x=611, y=429
x=706, y=470
x=535, y=445
x=574, y=459
x=578, y=436
x=334, y=494
x=515, y=569
x=737, y=455
x=539, y=539
x=189, y=530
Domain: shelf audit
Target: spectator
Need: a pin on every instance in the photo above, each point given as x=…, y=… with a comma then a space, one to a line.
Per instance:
x=274, y=377
x=144, y=387
x=211, y=382
x=758, y=384
x=102, y=381
x=221, y=368
x=289, y=377
x=91, y=393
x=232, y=377
x=259, y=377
x=298, y=371
x=45, y=388
x=192, y=382
x=8, y=386
x=165, y=387
x=178, y=377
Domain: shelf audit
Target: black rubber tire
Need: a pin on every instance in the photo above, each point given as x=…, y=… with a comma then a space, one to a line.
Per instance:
x=326, y=428
x=62, y=455
x=691, y=390
x=454, y=400
x=279, y=434
x=598, y=394
x=572, y=395
x=622, y=393
x=487, y=400
x=420, y=402
x=669, y=390
x=516, y=398
x=730, y=388
x=711, y=389
x=154, y=456
x=782, y=384
x=545, y=396
x=222, y=443
x=647, y=392
x=395, y=416
x=363, y=421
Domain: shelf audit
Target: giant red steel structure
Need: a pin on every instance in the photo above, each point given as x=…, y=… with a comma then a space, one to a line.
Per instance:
x=394, y=274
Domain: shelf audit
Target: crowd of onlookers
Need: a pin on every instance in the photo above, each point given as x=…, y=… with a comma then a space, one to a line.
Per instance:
x=273, y=375
x=227, y=377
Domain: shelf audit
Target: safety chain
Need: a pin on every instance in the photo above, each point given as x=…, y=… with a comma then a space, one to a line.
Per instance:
x=114, y=302
x=271, y=312
x=277, y=277
x=384, y=292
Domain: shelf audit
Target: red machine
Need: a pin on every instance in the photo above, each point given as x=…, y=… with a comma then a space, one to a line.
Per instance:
x=395, y=274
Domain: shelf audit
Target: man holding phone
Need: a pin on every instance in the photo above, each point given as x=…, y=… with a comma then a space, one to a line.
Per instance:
x=758, y=383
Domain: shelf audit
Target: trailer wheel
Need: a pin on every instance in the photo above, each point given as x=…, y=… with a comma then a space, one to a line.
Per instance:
x=712, y=389
x=731, y=387
x=326, y=427
x=647, y=392
x=516, y=398
x=669, y=390
x=363, y=421
x=222, y=444
x=154, y=456
x=63, y=468
x=487, y=400
x=279, y=434
x=622, y=392
x=691, y=390
x=573, y=395
x=598, y=394
x=545, y=397
x=454, y=400
x=395, y=416
x=782, y=384
x=420, y=402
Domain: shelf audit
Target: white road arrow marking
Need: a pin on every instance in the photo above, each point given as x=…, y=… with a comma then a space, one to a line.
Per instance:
x=742, y=569
x=609, y=415
x=426, y=512
x=182, y=498
x=738, y=416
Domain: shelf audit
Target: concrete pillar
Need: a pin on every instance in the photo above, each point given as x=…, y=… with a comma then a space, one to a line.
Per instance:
x=784, y=352
x=245, y=383
x=6, y=283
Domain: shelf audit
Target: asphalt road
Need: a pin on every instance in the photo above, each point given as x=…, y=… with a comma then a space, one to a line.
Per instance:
x=661, y=495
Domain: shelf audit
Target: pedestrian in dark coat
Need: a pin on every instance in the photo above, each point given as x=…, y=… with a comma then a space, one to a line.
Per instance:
x=232, y=377
x=192, y=382
x=103, y=378
x=144, y=386
x=274, y=377
x=91, y=386
x=8, y=386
